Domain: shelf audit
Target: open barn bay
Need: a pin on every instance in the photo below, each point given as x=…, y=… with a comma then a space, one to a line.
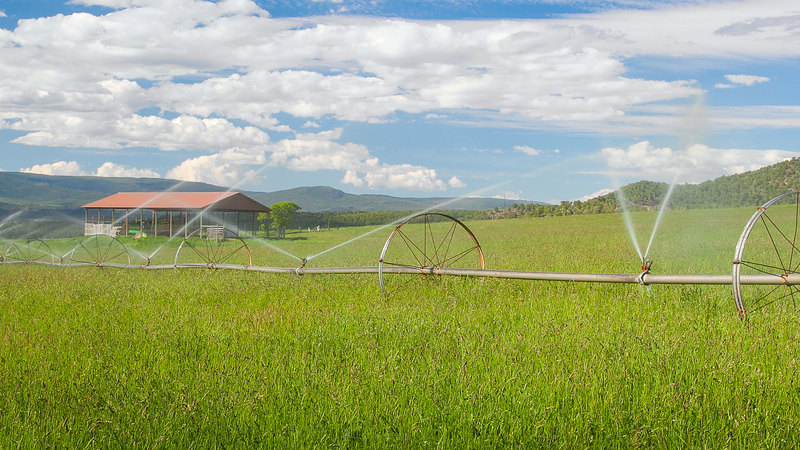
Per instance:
x=194, y=357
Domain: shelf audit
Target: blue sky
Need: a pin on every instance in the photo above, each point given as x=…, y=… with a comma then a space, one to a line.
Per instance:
x=548, y=101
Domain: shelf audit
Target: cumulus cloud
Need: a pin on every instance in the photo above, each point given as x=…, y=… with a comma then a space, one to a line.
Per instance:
x=231, y=167
x=694, y=164
x=110, y=169
x=107, y=169
x=454, y=182
x=509, y=195
x=85, y=87
x=745, y=80
x=527, y=150
x=596, y=194
x=308, y=153
x=56, y=168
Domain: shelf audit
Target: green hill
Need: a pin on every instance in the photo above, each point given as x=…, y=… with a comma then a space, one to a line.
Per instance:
x=752, y=188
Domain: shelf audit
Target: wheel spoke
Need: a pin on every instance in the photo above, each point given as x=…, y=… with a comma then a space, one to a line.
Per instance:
x=235, y=251
x=201, y=255
x=458, y=256
x=769, y=302
x=409, y=243
x=755, y=266
x=774, y=246
x=448, y=237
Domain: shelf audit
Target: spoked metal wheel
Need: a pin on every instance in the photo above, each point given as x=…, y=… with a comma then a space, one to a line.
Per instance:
x=29, y=250
x=100, y=250
x=767, y=259
x=212, y=249
x=422, y=245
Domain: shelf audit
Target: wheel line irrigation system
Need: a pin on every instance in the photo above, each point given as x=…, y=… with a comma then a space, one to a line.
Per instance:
x=762, y=274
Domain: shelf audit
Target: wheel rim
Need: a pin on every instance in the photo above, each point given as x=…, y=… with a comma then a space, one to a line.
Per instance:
x=100, y=250
x=769, y=245
x=422, y=245
x=205, y=249
x=29, y=250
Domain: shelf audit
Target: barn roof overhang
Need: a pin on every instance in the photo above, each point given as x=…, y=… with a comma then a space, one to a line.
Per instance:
x=179, y=201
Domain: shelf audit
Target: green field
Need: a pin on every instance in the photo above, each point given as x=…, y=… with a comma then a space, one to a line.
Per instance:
x=108, y=357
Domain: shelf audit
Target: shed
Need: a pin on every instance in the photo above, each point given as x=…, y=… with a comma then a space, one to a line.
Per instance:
x=171, y=213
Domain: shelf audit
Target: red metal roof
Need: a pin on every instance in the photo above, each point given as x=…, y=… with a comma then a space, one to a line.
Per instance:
x=221, y=201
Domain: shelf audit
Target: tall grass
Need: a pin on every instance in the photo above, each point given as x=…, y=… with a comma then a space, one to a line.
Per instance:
x=199, y=358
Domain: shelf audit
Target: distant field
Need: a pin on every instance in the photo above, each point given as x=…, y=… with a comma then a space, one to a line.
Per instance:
x=195, y=357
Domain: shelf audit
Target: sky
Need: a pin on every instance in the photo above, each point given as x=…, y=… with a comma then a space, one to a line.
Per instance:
x=539, y=100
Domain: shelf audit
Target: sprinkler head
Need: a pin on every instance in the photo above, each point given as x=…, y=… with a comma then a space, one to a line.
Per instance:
x=646, y=265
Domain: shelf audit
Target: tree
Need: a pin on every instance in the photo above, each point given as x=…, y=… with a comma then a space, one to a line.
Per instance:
x=265, y=222
x=282, y=213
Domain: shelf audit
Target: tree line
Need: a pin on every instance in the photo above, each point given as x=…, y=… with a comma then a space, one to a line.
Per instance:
x=746, y=189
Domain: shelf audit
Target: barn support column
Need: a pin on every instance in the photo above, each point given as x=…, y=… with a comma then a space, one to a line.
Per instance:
x=141, y=222
x=185, y=223
x=127, y=213
x=170, y=224
x=155, y=223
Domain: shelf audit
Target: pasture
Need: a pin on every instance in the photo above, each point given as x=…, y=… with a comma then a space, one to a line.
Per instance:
x=99, y=357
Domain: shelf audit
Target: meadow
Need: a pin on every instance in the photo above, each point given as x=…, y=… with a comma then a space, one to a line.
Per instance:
x=108, y=357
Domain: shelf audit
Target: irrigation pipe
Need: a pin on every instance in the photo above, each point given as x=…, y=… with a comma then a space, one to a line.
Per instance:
x=577, y=277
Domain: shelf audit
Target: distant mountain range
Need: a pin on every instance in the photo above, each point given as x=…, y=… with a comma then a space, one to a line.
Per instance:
x=39, y=193
x=31, y=196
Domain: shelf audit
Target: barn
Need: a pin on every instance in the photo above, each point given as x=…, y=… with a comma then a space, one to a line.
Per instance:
x=172, y=213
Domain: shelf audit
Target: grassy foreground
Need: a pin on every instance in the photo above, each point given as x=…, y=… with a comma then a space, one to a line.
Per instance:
x=198, y=358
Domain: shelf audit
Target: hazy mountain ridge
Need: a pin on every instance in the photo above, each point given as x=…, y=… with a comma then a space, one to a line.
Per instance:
x=41, y=193
x=32, y=195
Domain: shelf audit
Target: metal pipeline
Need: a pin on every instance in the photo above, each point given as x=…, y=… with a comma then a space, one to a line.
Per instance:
x=577, y=277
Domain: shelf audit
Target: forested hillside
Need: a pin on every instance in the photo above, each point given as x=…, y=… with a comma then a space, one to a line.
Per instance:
x=746, y=189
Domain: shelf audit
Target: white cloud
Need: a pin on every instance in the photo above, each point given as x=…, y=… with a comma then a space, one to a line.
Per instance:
x=455, y=183
x=97, y=131
x=719, y=28
x=229, y=168
x=307, y=153
x=747, y=80
x=80, y=90
x=110, y=169
x=205, y=70
x=56, y=168
x=694, y=164
x=107, y=169
x=509, y=195
x=596, y=194
x=401, y=176
x=527, y=150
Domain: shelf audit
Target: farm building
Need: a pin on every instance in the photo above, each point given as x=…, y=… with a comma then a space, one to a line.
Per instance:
x=171, y=213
